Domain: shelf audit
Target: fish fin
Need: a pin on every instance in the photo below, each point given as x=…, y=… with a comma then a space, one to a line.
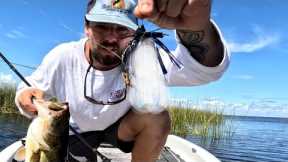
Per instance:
x=20, y=154
x=35, y=157
x=32, y=156
x=31, y=151
x=43, y=157
x=49, y=156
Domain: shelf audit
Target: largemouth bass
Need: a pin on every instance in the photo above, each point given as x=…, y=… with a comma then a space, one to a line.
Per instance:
x=47, y=135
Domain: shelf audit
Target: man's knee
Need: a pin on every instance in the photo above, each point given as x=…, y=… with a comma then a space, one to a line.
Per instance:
x=159, y=124
x=153, y=125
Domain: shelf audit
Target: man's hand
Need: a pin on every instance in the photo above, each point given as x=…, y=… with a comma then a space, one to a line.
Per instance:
x=191, y=15
x=25, y=99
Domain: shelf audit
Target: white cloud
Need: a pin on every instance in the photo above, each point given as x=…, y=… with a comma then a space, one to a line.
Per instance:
x=66, y=27
x=255, y=107
x=274, y=109
x=184, y=103
x=69, y=29
x=253, y=45
x=213, y=102
x=242, y=109
x=258, y=108
x=7, y=78
x=262, y=40
x=243, y=77
x=15, y=34
x=26, y=2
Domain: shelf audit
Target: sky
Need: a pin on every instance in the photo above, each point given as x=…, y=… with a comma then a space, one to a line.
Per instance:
x=255, y=31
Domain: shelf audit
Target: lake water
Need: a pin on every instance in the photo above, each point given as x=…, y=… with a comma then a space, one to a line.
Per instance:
x=12, y=128
x=254, y=139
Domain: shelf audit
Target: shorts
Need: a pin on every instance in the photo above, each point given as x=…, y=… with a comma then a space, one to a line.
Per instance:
x=95, y=138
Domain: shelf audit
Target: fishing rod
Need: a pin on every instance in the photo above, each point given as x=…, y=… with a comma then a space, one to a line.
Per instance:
x=15, y=70
x=77, y=134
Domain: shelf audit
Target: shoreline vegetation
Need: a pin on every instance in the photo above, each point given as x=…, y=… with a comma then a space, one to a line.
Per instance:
x=7, y=95
x=186, y=120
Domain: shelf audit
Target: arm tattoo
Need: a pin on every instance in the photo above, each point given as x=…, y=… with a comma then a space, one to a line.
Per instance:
x=192, y=40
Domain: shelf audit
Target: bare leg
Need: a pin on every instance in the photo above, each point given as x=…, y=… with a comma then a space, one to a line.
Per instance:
x=149, y=131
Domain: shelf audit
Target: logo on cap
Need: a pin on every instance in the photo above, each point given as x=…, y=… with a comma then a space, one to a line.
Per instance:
x=119, y=4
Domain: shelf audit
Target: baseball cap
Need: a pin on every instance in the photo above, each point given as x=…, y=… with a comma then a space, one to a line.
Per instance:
x=112, y=11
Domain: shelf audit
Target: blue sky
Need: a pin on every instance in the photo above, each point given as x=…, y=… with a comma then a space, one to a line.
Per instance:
x=256, y=33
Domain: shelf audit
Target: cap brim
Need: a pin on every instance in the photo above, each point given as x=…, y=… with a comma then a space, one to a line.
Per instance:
x=115, y=19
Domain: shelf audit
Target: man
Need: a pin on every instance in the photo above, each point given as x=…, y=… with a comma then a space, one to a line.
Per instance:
x=96, y=96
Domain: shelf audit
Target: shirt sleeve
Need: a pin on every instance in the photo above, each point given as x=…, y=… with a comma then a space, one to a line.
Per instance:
x=193, y=72
x=44, y=77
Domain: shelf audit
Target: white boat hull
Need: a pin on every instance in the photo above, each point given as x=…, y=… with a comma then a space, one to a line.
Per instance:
x=188, y=151
x=178, y=149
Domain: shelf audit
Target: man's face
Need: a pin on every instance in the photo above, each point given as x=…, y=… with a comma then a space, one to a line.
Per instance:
x=106, y=39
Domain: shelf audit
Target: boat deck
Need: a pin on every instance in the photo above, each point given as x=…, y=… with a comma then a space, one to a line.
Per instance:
x=117, y=155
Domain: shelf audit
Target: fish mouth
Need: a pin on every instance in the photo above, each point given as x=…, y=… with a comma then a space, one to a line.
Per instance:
x=55, y=110
x=57, y=106
x=60, y=114
x=59, y=110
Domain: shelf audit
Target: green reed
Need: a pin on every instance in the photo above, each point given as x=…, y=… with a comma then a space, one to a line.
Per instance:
x=7, y=95
x=190, y=121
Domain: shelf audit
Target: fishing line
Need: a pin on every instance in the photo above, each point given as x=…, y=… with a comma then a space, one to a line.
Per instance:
x=24, y=66
x=157, y=29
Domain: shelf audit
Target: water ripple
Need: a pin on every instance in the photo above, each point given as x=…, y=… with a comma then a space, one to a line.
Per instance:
x=254, y=140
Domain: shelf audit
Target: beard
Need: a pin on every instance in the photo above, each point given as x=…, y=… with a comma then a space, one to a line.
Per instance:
x=148, y=92
x=106, y=53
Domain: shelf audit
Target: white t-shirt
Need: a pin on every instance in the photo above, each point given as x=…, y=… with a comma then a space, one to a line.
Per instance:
x=62, y=72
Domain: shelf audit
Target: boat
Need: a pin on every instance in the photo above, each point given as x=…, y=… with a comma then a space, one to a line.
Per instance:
x=176, y=149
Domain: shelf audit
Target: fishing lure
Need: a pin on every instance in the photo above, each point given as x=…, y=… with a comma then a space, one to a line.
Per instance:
x=140, y=35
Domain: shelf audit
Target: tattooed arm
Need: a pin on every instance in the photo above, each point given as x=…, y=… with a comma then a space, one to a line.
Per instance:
x=204, y=45
x=191, y=19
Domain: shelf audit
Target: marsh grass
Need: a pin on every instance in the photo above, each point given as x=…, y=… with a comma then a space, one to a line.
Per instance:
x=206, y=124
x=7, y=95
